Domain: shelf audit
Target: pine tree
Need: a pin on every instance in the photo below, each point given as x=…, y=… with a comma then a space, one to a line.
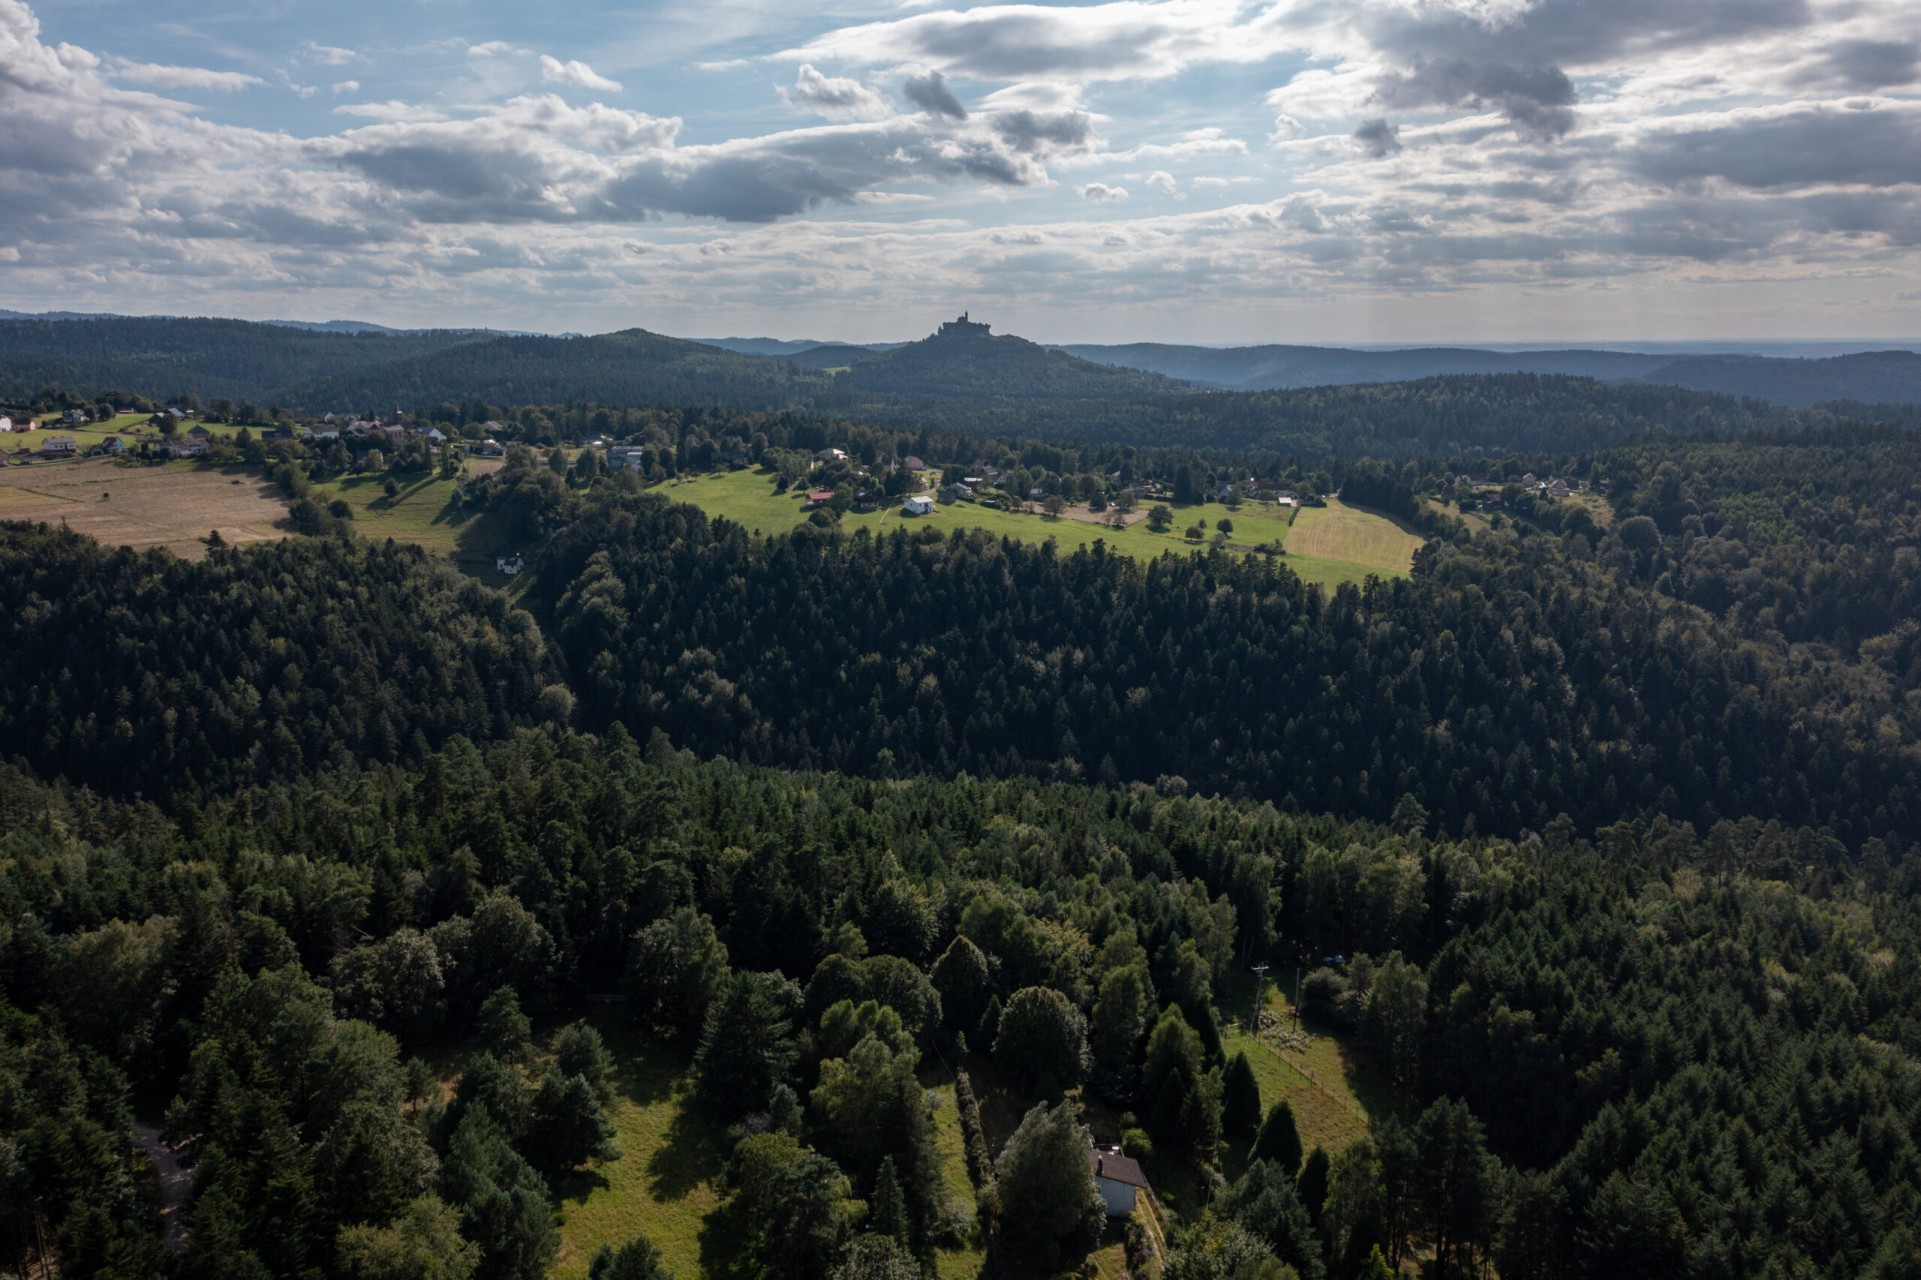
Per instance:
x=1241, y=1099
x=1278, y=1142
x=887, y=1207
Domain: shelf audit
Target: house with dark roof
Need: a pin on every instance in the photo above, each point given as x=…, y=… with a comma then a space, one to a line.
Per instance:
x=1117, y=1177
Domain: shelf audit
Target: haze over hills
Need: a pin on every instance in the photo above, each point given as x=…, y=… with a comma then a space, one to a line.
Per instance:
x=1881, y=377
x=964, y=359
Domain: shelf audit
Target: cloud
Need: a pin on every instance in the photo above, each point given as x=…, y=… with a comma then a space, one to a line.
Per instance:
x=164, y=77
x=576, y=73
x=1876, y=146
x=1378, y=139
x=1163, y=181
x=930, y=93
x=833, y=97
x=1865, y=65
x=1101, y=193
x=341, y=87
x=1537, y=100
x=1034, y=131
x=327, y=55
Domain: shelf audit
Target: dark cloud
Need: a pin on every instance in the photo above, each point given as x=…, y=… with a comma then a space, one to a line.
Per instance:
x=1031, y=131
x=1866, y=65
x=1535, y=99
x=931, y=94
x=1818, y=146
x=1553, y=32
x=1379, y=138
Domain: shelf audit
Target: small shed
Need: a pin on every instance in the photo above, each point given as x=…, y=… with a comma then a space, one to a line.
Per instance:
x=1118, y=1178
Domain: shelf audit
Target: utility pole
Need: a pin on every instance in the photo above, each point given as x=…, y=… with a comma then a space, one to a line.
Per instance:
x=1297, y=995
x=1260, y=987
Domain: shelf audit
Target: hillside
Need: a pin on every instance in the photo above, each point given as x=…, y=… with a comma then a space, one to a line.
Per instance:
x=963, y=360
x=1275, y=367
x=1870, y=377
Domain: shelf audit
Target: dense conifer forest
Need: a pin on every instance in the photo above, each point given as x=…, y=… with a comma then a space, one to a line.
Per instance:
x=364, y=891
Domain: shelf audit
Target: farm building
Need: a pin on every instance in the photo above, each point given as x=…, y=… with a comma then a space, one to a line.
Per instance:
x=1118, y=1179
x=59, y=445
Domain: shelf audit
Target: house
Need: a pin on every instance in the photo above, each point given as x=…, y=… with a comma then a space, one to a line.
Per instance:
x=488, y=448
x=911, y=463
x=509, y=565
x=435, y=436
x=325, y=430
x=832, y=455
x=113, y=446
x=60, y=446
x=199, y=432
x=867, y=500
x=6, y=423
x=1037, y=495
x=817, y=498
x=920, y=504
x=1118, y=1179
x=189, y=448
x=622, y=457
x=75, y=417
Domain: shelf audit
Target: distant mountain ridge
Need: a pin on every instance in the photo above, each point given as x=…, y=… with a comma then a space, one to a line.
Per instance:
x=1879, y=377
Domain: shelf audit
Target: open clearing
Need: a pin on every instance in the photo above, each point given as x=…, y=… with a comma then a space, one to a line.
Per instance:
x=1340, y=533
x=174, y=505
x=1328, y=545
x=665, y=1184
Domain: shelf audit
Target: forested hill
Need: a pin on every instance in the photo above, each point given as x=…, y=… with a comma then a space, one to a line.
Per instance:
x=1434, y=417
x=632, y=367
x=964, y=361
x=1497, y=688
x=141, y=673
x=172, y=357
x=1869, y=377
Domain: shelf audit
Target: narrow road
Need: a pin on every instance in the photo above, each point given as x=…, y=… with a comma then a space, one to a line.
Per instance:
x=176, y=1187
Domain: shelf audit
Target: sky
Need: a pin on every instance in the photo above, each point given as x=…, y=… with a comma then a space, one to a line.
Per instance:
x=1122, y=170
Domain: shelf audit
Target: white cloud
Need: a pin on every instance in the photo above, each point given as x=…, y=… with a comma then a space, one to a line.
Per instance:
x=157, y=76
x=1164, y=182
x=834, y=97
x=327, y=55
x=576, y=73
x=1101, y=193
x=342, y=87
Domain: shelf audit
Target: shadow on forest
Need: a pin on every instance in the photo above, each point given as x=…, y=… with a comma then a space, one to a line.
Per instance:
x=577, y=1185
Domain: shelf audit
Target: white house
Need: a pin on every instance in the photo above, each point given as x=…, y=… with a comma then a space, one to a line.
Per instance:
x=59, y=445
x=6, y=423
x=622, y=456
x=921, y=504
x=1118, y=1179
x=509, y=565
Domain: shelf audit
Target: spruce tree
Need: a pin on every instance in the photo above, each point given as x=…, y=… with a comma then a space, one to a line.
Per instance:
x=1278, y=1141
x=887, y=1207
x=1241, y=1099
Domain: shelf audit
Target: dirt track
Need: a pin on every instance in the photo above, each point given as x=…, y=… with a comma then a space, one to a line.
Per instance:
x=173, y=506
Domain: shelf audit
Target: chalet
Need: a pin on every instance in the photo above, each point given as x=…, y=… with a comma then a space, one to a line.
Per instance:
x=435, y=436
x=621, y=457
x=325, y=430
x=962, y=489
x=112, y=446
x=1118, y=1178
x=867, y=500
x=59, y=446
x=919, y=505
x=817, y=498
x=75, y=417
x=1037, y=495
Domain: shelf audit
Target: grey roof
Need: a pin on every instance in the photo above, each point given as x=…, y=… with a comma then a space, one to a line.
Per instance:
x=1116, y=1168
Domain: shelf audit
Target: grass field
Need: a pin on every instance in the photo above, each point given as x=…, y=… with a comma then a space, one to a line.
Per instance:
x=663, y=1184
x=174, y=505
x=1343, y=544
x=1335, y=1095
x=421, y=513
